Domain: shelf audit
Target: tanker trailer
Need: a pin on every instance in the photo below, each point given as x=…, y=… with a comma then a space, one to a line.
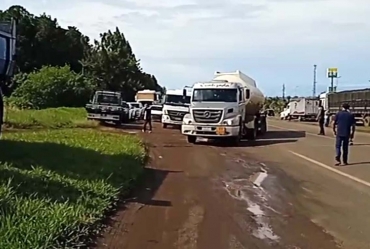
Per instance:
x=227, y=107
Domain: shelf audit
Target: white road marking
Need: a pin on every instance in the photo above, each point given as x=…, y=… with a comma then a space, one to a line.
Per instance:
x=331, y=169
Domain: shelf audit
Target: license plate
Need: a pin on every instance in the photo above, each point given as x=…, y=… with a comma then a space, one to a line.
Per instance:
x=220, y=131
x=206, y=129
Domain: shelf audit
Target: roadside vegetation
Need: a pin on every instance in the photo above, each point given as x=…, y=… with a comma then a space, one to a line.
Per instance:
x=52, y=118
x=56, y=185
x=59, y=175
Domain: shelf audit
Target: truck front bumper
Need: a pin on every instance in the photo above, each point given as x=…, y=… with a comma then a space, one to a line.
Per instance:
x=167, y=120
x=103, y=117
x=213, y=131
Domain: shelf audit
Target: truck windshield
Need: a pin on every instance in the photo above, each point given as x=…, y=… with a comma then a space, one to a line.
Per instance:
x=107, y=99
x=215, y=95
x=176, y=99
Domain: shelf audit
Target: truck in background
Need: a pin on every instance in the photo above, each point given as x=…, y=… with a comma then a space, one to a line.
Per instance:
x=146, y=96
x=8, y=36
x=227, y=107
x=175, y=106
x=359, y=101
x=107, y=106
x=303, y=109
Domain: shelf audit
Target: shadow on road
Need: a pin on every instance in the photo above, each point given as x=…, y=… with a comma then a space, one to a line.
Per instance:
x=148, y=185
x=281, y=134
x=270, y=138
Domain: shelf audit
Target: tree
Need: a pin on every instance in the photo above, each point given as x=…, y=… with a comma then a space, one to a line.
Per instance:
x=52, y=87
x=109, y=64
x=112, y=63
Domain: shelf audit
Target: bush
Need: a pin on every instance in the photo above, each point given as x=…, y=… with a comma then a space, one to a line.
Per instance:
x=56, y=185
x=51, y=118
x=52, y=87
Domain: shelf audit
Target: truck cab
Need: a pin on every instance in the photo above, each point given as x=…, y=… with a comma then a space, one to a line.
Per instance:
x=217, y=110
x=7, y=57
x=107, y=106
x=175, y=106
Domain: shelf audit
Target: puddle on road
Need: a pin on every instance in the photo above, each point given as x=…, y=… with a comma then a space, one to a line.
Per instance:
x=240, y=189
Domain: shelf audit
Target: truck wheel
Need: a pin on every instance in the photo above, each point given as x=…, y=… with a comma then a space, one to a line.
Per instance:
x=164, y=125
x=192, y=139
x=251, y=134
x=263, y=128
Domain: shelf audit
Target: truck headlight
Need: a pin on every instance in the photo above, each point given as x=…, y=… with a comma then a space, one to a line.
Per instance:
x=231, y=121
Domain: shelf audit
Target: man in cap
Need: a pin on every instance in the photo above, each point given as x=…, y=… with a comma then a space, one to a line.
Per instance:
x=344, y=129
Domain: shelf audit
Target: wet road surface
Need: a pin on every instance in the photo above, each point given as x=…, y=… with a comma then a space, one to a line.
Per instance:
x=280, y=191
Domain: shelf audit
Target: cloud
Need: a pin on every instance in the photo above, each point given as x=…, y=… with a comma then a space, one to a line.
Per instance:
x=276, y=41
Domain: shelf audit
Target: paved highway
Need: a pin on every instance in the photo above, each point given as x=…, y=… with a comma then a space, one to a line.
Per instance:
x=281, y=191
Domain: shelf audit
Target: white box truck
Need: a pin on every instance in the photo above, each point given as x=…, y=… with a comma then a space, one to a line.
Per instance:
x=304, y=109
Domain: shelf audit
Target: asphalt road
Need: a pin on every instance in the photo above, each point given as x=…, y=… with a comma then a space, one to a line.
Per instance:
x=281, y=191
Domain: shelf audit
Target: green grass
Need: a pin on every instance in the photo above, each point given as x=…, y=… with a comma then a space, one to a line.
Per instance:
x=56, y=185
x=52, y=118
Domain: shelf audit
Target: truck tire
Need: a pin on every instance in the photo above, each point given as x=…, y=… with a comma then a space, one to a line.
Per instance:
x=192, y=139
x=263, y=127
x=164, y=126
x=251, y=134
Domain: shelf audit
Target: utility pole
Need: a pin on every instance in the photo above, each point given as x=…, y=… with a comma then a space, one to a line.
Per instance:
x=314, y=81
x=283, y=91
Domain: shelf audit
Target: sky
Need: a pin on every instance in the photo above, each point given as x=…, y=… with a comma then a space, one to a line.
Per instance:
x=275, y=42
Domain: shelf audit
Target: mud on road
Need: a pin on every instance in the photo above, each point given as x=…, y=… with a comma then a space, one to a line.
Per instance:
x=208, y=197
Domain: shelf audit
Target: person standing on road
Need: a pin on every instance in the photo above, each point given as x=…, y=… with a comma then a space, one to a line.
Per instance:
x=344, y=128
x=147, y=118
x=321, y=119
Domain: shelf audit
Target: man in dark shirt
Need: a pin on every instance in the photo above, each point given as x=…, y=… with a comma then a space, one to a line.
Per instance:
x=344, y=129
x=321, y=119
x=147, y=118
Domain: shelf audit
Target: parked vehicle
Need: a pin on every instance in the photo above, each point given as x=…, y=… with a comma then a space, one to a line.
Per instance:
x=303, y=109
x=148, y=97
x=227, y=107
x=284, y=115
x=107, y=106
x=8, y=36
x=157, y=112
x=135, y=110
x=175, y=106
x=359, y=101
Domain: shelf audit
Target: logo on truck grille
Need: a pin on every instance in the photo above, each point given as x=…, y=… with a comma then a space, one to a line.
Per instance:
x=207, y=114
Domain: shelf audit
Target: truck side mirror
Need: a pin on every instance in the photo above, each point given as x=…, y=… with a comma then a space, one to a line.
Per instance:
x=184, y=92
x=247, y=93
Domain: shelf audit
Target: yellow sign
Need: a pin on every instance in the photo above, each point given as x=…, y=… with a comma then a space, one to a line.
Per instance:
x=332, y=72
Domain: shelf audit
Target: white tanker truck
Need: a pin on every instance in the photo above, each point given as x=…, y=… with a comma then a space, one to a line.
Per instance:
x=227, y=107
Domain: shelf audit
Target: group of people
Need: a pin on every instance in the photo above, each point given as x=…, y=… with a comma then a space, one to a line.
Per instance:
x=344, y=126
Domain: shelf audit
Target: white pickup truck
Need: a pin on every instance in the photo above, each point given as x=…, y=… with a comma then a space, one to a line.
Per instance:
x=175, y=107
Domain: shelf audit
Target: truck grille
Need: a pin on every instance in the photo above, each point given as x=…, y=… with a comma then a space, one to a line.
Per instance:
x=207, y=116
x=176, y=115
